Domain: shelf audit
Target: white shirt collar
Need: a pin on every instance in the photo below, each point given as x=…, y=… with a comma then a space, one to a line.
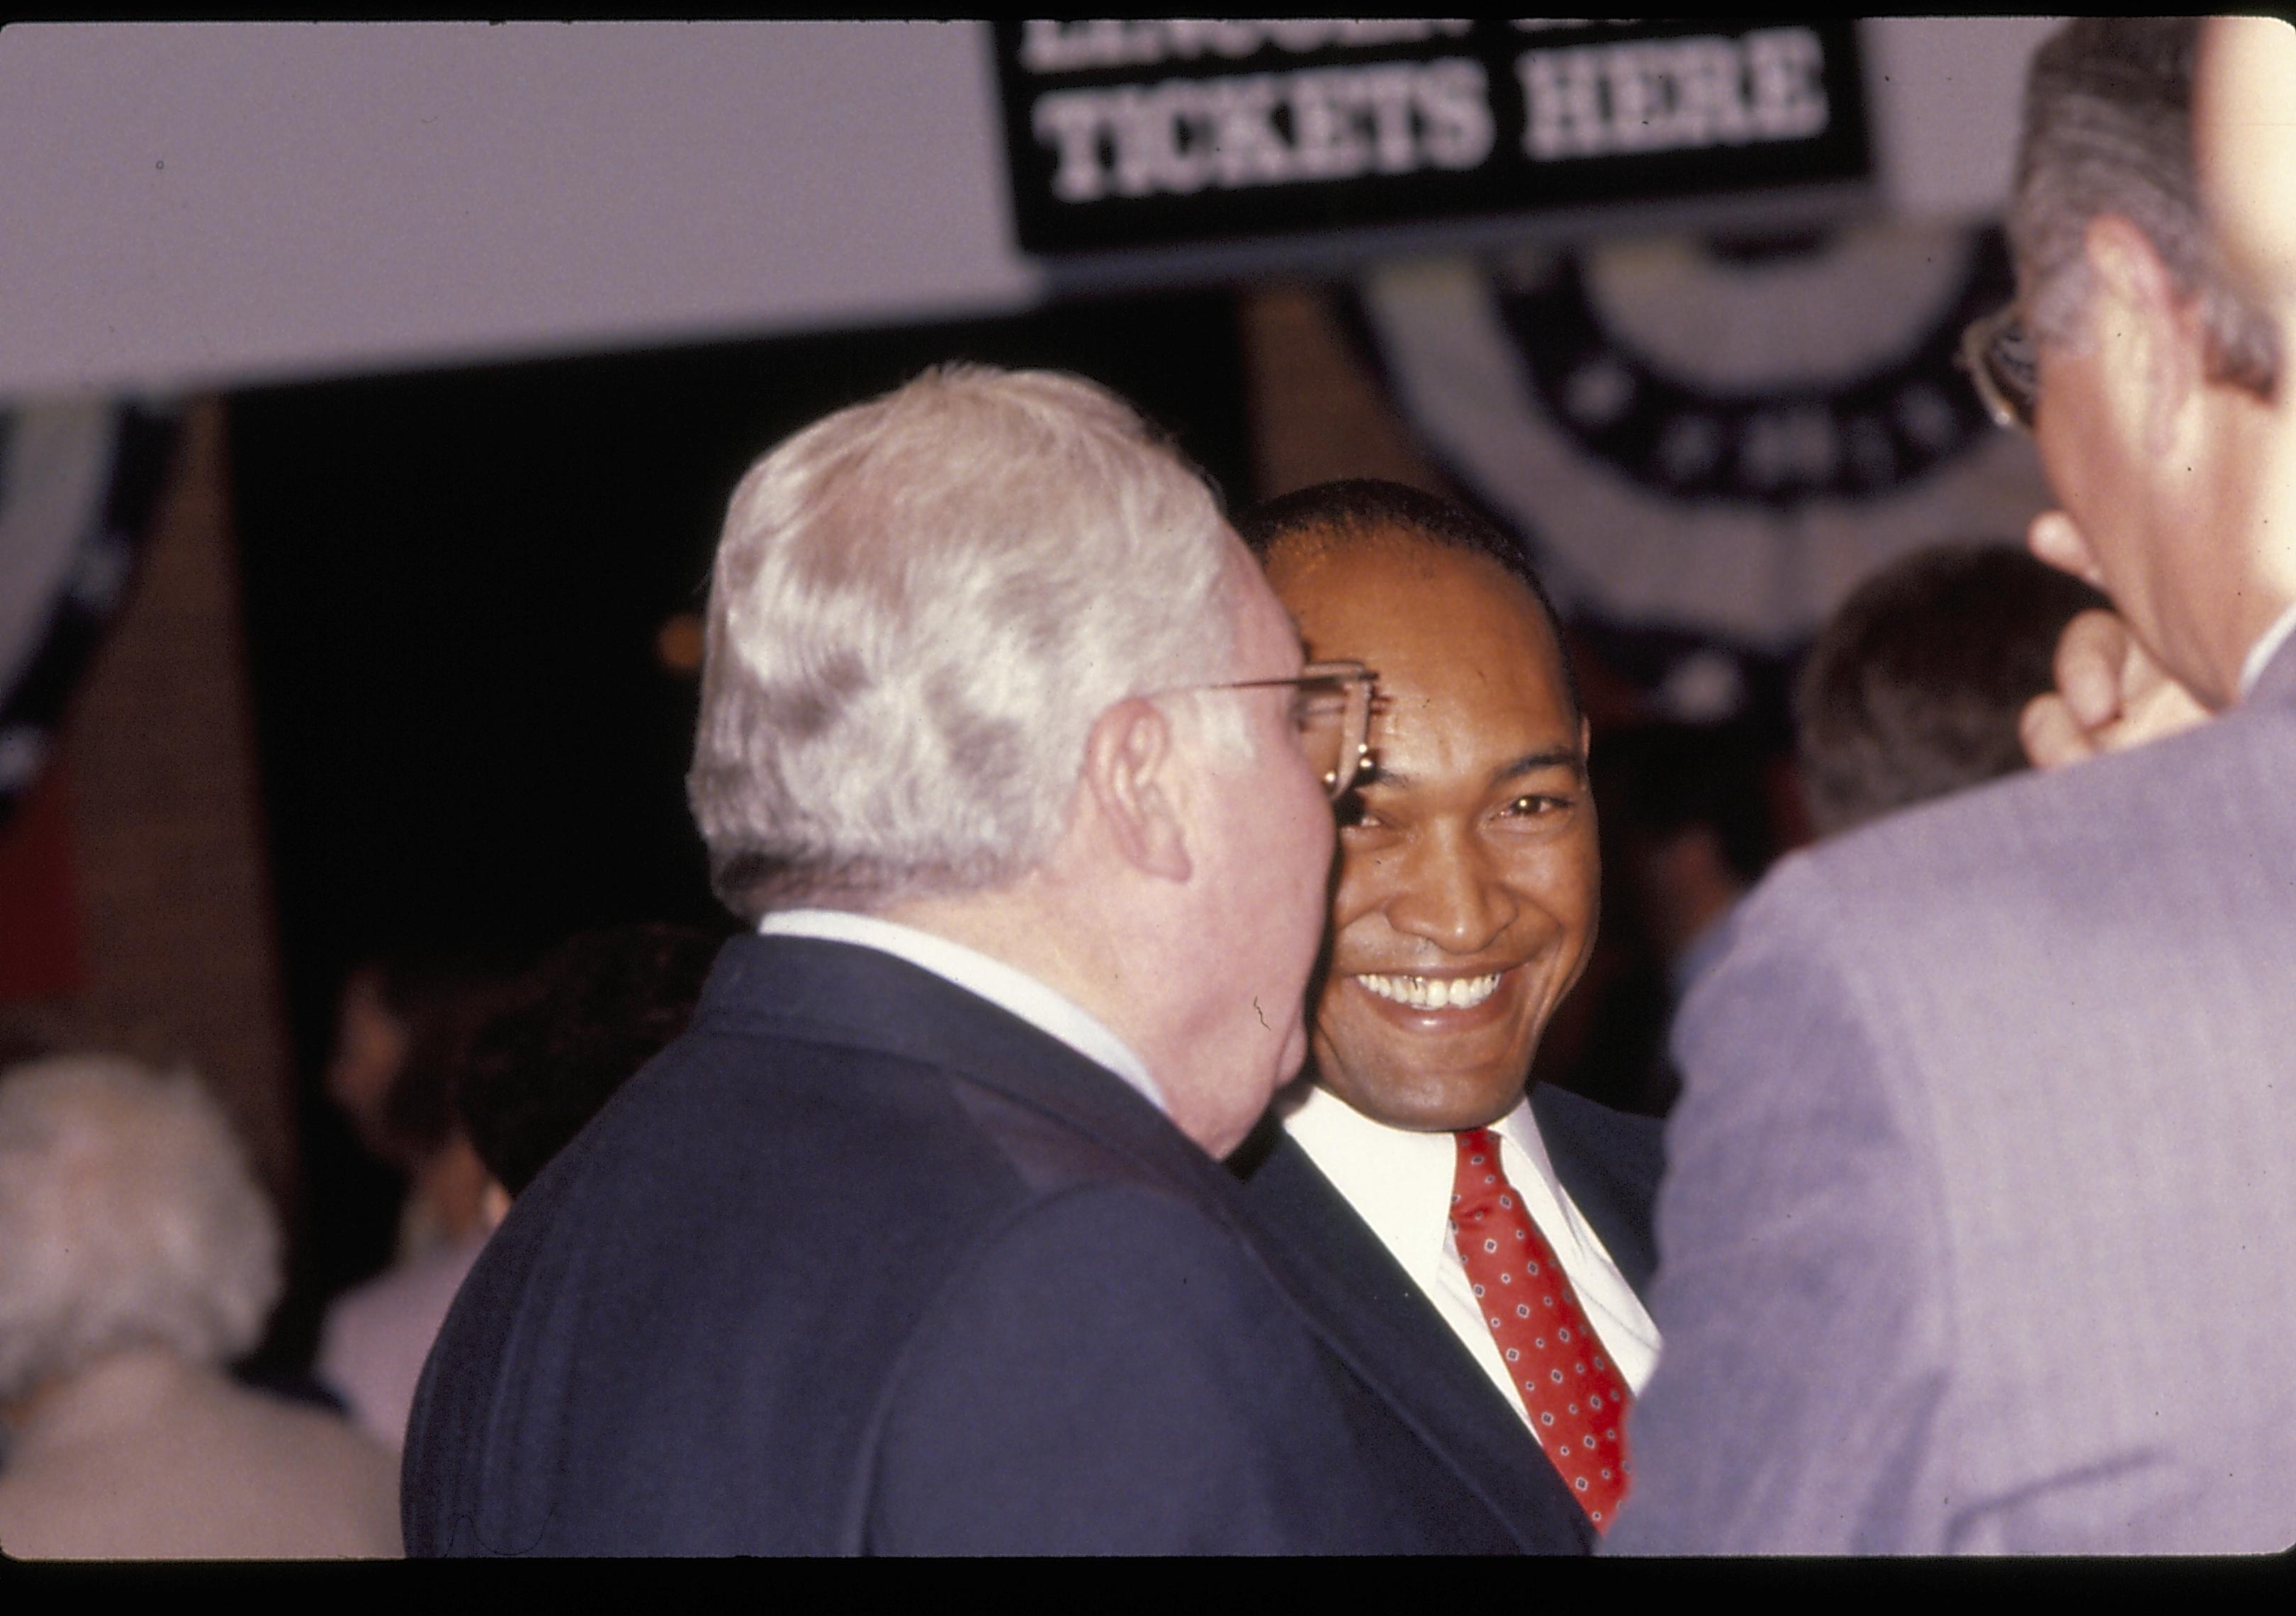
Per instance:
x=1400, y=1181
x=1008, y=988
x=1399, y=1184
x=2260, y=654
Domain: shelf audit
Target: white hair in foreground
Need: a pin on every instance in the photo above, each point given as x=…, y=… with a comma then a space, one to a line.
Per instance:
x=128, y=1218
x=920, y=606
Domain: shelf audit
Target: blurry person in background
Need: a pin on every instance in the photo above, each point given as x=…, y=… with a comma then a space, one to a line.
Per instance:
x=1917, y=684
x=400, y=1022
x=137, y=1257
x=564, y=1037
x=534, y=1061
x=405, y=1027
x=369, y=1048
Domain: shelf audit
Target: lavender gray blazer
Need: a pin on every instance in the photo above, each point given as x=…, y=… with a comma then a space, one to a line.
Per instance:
x=1980, y=1228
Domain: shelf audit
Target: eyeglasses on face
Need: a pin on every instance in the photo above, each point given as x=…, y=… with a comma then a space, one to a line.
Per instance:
x=1999, y=354
x=1331, y=718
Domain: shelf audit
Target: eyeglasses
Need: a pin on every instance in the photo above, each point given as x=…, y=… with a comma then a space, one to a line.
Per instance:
x=2000, y=356
x=1331, y=718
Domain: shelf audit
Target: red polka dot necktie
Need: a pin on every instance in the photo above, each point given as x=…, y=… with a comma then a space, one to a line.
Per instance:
x=1575, y=1395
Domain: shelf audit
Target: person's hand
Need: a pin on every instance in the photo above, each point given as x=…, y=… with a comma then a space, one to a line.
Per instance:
x=2110, y=695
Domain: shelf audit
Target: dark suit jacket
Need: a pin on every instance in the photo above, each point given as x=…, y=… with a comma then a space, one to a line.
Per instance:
x=862, y=1263
x=1608, y=1161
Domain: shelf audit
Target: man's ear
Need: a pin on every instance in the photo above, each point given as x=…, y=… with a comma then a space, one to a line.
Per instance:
x=1128, y=771
x=2151, y=337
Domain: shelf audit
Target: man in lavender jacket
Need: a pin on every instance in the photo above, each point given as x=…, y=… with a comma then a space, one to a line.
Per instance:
x=1975, y=1237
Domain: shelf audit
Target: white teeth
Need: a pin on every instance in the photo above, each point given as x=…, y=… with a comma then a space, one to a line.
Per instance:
x=1434, y=992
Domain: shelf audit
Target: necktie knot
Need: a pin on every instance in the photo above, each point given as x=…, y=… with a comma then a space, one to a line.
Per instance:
x=1480, y=1186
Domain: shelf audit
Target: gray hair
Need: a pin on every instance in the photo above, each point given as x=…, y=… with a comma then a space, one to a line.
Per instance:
x=920, y=606
x=2109, y=130
x=128, y=1217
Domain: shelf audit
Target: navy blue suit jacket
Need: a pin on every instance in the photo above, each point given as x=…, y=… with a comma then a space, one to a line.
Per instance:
x=1609, y=1161
x=861, y=1263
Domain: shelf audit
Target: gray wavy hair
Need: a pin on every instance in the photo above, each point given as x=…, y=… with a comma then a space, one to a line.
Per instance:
x=2109, y=130
x=128, y=1217
x=920, y=605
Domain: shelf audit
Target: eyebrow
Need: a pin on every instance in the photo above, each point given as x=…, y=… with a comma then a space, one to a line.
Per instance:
x=1529, y=763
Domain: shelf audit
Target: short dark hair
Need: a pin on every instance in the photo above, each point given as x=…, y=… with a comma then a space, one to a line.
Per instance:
x=2108, y=129
x=561, y=1038
x=1357, y=507
x=1915, y=686
x=438, y=995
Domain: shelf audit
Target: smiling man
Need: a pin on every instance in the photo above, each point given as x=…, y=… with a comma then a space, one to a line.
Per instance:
x=1465, y=911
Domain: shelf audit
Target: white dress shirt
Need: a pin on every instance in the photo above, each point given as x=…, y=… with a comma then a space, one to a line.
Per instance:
x=1399, y=1184
x=374, y=1337
x=1053, y=1013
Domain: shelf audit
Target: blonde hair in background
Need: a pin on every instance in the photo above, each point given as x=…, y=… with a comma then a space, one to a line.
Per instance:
x=920, y=605
x=128, y=1217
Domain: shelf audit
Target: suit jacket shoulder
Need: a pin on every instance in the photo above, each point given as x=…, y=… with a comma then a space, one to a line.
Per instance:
x=863, y=1263
x=1968, y=1085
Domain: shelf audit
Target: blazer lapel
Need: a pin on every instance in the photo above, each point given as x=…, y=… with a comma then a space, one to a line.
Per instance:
x=1387, y=1331
x=1610, y=1161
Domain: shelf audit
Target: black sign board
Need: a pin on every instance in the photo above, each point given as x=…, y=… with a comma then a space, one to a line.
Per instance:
x=1134, y=132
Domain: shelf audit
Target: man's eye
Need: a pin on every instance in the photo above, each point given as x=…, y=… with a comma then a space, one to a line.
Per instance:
x=1350, y=811
x=1535, y=807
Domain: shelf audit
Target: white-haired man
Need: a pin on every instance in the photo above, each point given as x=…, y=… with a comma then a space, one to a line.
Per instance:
x=136, y=1257
x=1974, y=1232
x=917, y=1241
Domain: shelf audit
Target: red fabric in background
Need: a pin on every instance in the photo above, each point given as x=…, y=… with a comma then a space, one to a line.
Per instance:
x=39, y=932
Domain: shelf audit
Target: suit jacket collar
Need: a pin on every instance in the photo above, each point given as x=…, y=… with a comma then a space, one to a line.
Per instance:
x=841, y=994
x=1390, y=1334
x=1610, y=1161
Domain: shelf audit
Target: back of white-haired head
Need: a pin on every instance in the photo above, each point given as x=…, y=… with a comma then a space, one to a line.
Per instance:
x=128, y=1217
x=920, y=606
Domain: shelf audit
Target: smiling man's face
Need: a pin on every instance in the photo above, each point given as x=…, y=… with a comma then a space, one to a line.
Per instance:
x=1468, y=881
